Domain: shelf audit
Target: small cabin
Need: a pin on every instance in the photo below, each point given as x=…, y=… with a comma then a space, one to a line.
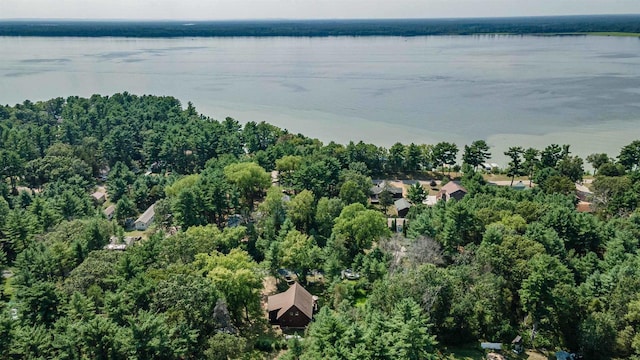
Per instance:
x=109, y=212
x=402, y=207
x=99, y=197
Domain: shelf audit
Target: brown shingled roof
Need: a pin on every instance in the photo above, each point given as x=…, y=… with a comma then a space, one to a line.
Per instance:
x=452, y=187
x=295, y=295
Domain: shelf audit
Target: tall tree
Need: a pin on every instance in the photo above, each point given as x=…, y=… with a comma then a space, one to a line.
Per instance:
x=416, y=193
x=571, y=167
x=531, y=162
x=351, y=192
x=237, y=278
x=630, y=155
x=301, y=209
x=515, y=165
x=550, y=156
x=476, y=154
x=597, y=160
x=444, y=153
x=547, y=296
x=357, y=228
x=396, y=157
x=250, y=178
x=299, y=253
x=413, y=158
x=410, y=338
x=11, y=166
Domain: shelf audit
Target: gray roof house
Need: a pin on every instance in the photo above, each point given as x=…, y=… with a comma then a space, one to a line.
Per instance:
x=143, y=222
x=379, y=187
x=402, y=206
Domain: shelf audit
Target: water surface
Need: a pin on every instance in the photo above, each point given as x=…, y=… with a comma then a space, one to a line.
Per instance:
x=510, y=90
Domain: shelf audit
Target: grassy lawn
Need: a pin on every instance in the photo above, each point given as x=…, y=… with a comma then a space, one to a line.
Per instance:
x=360, y=297
x=135, y=233
x=9, y=290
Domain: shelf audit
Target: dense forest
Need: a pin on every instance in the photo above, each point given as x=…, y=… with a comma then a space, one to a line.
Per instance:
x=314, y=28
x=235, y=204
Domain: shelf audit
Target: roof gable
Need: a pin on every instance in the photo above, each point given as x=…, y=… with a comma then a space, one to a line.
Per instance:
x=147, y=215
x=402, y=204
x=295, y=296
x=110, y=210
x=452, y=187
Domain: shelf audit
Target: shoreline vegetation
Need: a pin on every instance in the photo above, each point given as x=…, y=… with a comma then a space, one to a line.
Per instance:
x=599, y=25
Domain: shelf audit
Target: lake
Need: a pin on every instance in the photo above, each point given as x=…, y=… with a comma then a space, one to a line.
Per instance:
x=509, y=90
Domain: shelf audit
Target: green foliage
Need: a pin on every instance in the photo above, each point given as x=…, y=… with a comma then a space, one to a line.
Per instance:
x=351, y=193
x=237, y=278
x=444, y=153
x=250, y=178
x=630, y=155
x=547, y=295
x=326, y=213
x=300, y=210
x=476, y=154
x=416, y=193
x=597, y=160
x=496, y=264
x=299, y=253
x=356, y=229
x=516, y=166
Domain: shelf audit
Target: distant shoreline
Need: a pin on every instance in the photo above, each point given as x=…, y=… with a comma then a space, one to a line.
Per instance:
x=600, y=25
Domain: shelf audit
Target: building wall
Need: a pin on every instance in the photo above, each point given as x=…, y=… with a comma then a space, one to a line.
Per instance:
x=142, y=225
x=294, y=318
x=458, y=195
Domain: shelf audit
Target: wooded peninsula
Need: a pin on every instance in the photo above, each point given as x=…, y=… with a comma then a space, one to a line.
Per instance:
x=133, y=227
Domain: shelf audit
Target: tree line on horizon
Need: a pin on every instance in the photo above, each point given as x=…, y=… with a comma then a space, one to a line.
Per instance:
x=496, y=264
x=324, y=28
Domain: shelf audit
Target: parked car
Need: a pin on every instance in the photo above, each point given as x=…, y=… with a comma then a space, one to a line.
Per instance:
x=287, y=275
x=350, y=274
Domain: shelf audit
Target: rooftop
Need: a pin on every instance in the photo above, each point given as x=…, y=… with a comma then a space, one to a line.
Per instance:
x=148, y=214
x=295, y=295
x=402, y=204
x=452, y=187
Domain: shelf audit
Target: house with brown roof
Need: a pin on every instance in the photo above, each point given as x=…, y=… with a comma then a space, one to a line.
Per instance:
x=109, y=212
x=292, y=308
x=99, y=197
x=452, y=190
x=585, y=207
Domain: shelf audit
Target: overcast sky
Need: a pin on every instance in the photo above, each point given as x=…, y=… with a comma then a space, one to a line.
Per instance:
x=305, y=9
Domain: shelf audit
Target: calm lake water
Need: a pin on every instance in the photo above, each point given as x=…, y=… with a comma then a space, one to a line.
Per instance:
x=509, y=90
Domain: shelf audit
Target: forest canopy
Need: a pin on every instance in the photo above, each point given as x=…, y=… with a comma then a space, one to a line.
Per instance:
x=242, y=210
